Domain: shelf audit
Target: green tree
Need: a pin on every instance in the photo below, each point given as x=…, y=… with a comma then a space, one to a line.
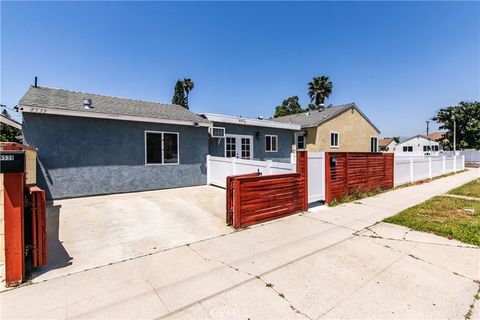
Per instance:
x=8, y=133
x=187, y=87
x=289, y=106
x=179, y=95
x=319, y=90
x=467, y=118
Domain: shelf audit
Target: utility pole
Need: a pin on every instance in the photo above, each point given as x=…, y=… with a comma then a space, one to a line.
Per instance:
x=454, y=136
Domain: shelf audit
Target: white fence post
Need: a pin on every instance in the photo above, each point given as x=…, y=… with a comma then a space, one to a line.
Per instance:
x=269, y=166
x=208, y=169
x=443, y=166
x=463, y=162
x=429, y=168
x=454, y=163
x=234, y=167
x=411, y=170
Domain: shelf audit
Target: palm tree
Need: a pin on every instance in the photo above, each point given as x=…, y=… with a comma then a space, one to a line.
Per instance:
x=319, y=90
x=187, y=86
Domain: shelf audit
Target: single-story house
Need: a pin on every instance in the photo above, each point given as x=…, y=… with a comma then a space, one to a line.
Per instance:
x=91, y=144
x=248, y=138
x=387, y=145
x=418, y=145
x=338, y=128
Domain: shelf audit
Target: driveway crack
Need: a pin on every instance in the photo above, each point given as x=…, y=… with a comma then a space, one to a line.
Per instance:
x=469, y=313
x=268, y=285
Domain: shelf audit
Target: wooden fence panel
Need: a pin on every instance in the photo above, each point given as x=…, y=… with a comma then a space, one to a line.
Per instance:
x=254, y=198
x=349, y=172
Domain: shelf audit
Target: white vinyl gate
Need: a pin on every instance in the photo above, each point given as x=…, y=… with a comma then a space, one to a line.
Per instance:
x=316, y=176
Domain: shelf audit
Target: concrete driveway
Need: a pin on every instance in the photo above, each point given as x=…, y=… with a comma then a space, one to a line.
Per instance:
x=89, y=232
x=330, y=263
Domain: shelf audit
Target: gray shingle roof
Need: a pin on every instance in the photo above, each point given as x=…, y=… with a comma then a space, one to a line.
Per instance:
x=316, y=118
x=72, y=100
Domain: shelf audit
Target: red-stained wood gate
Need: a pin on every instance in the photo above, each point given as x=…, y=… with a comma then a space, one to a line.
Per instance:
x=254, y=198
x=348, y=172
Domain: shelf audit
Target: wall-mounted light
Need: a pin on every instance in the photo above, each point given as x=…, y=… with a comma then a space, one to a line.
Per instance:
x=258, y=135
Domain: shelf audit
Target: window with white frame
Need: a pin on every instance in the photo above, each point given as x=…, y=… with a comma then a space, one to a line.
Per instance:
x=407, y=149
x=373, y=144
x=161, y=147
x=271, y=143
x=334, y=140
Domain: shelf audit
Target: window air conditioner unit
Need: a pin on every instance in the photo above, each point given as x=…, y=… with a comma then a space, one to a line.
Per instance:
x=216, y=132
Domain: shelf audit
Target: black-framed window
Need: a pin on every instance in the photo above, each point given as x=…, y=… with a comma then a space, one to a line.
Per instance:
x=300, y=141
x=161, y=148
x=271, y=143
x=373, y=144
x=334, y=139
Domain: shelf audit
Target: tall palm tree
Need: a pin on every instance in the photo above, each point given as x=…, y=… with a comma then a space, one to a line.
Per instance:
x=187, y=86
x=319, y=90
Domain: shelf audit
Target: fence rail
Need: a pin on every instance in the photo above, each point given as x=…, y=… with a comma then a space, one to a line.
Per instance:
x=219, y=168
x=417, y=169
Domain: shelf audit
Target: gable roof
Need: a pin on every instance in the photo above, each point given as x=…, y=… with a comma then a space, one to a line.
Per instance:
x=385, y=142
x=417, y=136
x=437, y=136
x=315, y=118
x=66, y=102
x=250, y=121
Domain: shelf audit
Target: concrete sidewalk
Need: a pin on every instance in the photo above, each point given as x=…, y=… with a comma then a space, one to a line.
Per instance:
x=328, y=263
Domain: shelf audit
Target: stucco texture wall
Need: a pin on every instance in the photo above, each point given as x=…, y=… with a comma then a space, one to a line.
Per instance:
x=285, y=141
x=353, y=129
x=86, y=156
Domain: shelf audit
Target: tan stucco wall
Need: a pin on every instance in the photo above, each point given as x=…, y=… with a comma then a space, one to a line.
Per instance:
x=354, y=133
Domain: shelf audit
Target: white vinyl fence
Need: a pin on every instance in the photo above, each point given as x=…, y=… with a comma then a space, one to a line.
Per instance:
x=219, y=168
x=471, y=155
x=416, y=169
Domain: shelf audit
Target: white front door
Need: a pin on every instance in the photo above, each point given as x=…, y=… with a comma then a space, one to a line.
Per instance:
x=239, y=146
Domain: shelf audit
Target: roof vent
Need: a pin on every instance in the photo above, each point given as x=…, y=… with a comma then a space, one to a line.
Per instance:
x=87, y=104
x=260, y=117
x=308, y=113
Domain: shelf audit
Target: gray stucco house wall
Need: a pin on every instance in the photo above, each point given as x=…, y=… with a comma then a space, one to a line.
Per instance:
x=89, y=156
x=285, y=141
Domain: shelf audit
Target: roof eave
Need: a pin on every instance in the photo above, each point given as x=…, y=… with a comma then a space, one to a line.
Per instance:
x=100, y=115
x=250, y=122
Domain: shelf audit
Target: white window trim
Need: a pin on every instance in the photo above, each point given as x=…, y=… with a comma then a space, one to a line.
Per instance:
x=163, y=159
x=338, y=139
x=376, y=138
x=276, y=144
x=238, y=136
x=297, y=134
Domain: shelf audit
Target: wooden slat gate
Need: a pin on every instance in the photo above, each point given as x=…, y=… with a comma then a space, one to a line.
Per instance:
x=348, y=172
x=254, y=198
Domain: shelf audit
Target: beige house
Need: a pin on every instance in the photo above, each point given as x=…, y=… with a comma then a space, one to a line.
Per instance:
x=338, y=128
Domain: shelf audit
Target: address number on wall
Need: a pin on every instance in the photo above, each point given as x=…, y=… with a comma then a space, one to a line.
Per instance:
x=38, y=110
x=7, y=157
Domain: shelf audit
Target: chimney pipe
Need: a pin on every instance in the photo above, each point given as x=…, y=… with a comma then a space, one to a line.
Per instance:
x=36, y=80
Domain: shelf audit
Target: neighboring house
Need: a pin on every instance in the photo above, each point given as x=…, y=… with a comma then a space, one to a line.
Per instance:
x=338, y=128
x=11, y=129
x=91, y=144
x=248, y=138
x=418, y=145
x=387, y=145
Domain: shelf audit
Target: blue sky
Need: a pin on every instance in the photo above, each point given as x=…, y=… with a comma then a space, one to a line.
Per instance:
x=399, y=61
